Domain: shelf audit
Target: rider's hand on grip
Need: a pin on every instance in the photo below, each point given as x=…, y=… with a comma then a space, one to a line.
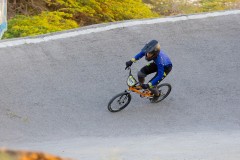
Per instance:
x=128, y=64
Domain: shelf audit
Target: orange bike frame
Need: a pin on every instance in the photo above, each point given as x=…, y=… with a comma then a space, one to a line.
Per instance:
x=145, y=93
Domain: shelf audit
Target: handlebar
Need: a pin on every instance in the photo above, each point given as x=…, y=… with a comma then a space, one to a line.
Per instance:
x=130, y=70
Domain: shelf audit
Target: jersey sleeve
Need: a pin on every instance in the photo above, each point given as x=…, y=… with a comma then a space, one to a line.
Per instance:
x=139, y=56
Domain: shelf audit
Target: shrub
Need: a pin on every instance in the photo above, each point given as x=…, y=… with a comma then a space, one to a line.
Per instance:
x=175, y=7
x=97, y=11
x=46, y=22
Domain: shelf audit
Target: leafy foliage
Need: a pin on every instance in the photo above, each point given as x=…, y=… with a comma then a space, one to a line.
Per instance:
x=57, y=15
x=96, y=11
x=23, y=155
x=174, y=7
x=46, y=22
x=66, y=14
x=215, y=5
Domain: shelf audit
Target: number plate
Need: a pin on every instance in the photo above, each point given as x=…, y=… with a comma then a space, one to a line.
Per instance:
x=131, y=81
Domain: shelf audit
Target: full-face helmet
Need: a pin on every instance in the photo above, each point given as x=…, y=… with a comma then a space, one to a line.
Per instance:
x=151, y=50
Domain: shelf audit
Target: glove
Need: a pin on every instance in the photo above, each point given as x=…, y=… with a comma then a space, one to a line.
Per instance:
x=128, y=64
x=145, y=86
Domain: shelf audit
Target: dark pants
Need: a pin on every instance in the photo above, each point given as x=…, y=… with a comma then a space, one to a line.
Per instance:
x=152, y=68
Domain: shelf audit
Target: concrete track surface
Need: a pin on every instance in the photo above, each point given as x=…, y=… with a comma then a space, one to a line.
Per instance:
x=54, y=94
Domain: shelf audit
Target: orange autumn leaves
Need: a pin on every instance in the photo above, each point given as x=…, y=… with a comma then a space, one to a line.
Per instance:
x=21, y=155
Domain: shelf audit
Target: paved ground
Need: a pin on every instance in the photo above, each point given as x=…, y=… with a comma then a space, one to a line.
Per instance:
x=54, y=94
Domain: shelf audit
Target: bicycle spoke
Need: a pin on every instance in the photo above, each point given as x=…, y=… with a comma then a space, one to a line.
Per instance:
x=119, y=102
x=164, y=90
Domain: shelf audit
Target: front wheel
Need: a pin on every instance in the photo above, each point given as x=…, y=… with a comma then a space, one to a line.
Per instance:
x=164, y=90
x=119, y=102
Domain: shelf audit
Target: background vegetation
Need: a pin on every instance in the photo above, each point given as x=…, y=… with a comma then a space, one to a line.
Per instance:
x=175, y=7
x=22, y=155
x=33, y=17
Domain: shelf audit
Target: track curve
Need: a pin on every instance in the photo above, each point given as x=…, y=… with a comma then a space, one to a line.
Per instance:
x=54, y=94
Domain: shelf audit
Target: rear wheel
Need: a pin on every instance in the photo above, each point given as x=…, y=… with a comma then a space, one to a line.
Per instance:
x=164, y=90
x=119, y=102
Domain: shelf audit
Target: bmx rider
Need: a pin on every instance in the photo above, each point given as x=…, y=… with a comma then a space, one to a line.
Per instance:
x=161, y=64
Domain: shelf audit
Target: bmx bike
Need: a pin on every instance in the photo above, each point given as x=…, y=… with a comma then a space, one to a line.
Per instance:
x=121, y=100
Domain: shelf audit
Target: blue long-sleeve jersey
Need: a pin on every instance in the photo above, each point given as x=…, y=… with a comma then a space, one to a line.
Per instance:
x=161, y=60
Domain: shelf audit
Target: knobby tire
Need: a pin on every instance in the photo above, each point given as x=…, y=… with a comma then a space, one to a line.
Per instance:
x=166, y=94
x=119, y=97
